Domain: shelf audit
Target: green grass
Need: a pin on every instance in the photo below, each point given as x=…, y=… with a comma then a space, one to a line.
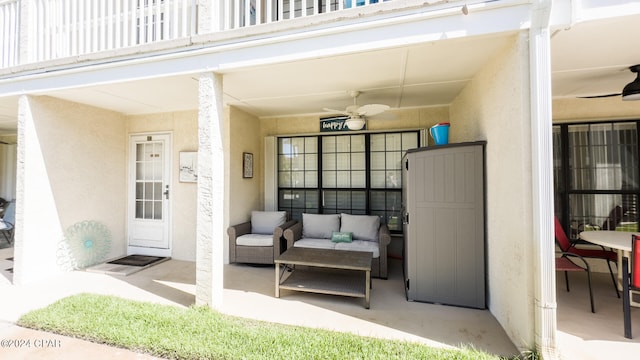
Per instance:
x=201, y=333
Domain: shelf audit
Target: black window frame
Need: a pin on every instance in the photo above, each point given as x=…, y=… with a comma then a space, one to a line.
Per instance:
x=563, y=184
x=295, y=193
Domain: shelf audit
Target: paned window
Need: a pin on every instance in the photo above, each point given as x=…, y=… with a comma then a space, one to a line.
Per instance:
x=596, y=175
x=354, y=174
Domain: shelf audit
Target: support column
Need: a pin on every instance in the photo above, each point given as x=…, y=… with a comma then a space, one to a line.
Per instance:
x=210, y=214
x=542, y=176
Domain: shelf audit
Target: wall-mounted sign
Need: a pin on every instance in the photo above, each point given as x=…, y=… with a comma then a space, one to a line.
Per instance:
x=335, y=123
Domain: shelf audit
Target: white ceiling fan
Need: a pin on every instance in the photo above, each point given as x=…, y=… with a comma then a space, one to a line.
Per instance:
x=358, y=114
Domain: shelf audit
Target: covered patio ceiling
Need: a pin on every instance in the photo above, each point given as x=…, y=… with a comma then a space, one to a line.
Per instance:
x=588, y=58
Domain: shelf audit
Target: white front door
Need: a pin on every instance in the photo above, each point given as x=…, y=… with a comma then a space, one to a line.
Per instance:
x=149, y=194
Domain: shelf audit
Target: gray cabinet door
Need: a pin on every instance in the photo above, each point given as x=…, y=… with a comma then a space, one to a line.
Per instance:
x=445, y=236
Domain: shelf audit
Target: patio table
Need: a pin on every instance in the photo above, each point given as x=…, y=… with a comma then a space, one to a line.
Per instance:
x=618, y=240
x=334, y=272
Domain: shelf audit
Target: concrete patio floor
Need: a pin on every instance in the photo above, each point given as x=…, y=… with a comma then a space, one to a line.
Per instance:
x=249, y=293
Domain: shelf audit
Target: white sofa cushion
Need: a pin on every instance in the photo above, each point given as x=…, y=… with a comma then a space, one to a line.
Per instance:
x=315, y=243
x=363, y=227
x=356, y=245
x=263, y=222
x=360, y=245
x=255, y=240
x=319, y=226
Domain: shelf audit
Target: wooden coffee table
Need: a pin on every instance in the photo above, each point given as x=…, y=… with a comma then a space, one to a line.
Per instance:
x=335, y=272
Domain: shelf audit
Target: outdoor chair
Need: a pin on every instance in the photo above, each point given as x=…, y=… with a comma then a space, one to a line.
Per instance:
x=258, y=241
x=630, y=282
x=7, y=222
x=615, y=217
x=567, y=247
x=567, y=263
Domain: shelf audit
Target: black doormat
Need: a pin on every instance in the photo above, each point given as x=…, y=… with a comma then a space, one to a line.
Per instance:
x=137, y=260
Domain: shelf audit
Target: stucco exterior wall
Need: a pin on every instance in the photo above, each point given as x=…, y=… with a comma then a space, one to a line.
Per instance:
x=184, y=128
x=70, y=169
x=494, y=107
x=246, y=194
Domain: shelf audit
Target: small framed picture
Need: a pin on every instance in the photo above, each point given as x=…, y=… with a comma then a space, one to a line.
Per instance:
x=188, y=166
x=247, y=165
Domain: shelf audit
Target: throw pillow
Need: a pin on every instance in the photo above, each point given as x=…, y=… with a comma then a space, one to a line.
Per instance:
x=341, y=237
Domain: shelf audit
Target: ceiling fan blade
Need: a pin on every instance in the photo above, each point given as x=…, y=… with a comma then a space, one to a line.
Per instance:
x=336, y=111
x=372, y=109
x=599, y=96
x=352, y=109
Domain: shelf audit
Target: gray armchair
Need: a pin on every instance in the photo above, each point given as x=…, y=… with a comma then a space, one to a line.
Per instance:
x=258, y=241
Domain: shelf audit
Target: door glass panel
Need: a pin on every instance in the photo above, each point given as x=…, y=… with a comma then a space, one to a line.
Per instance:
x=157, y=191
x=157, y=211
x=148, y=210
x=139, y=209
x=149, y=182
x=140, y=171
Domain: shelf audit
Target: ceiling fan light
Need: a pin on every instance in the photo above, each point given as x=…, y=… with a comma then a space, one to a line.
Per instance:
x=355, y=123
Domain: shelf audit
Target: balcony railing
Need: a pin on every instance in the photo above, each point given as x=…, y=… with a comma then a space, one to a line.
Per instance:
x=9, y=32
x=40, y=30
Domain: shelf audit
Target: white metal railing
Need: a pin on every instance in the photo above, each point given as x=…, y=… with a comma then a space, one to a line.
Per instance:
x=9, y=32
x=60, y=28
x=53, y=29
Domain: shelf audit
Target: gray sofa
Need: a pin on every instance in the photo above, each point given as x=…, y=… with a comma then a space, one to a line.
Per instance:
x=258, y=241
x=343, y=232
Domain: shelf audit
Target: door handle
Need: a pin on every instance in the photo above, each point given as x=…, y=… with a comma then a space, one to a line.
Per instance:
x=166, y=192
